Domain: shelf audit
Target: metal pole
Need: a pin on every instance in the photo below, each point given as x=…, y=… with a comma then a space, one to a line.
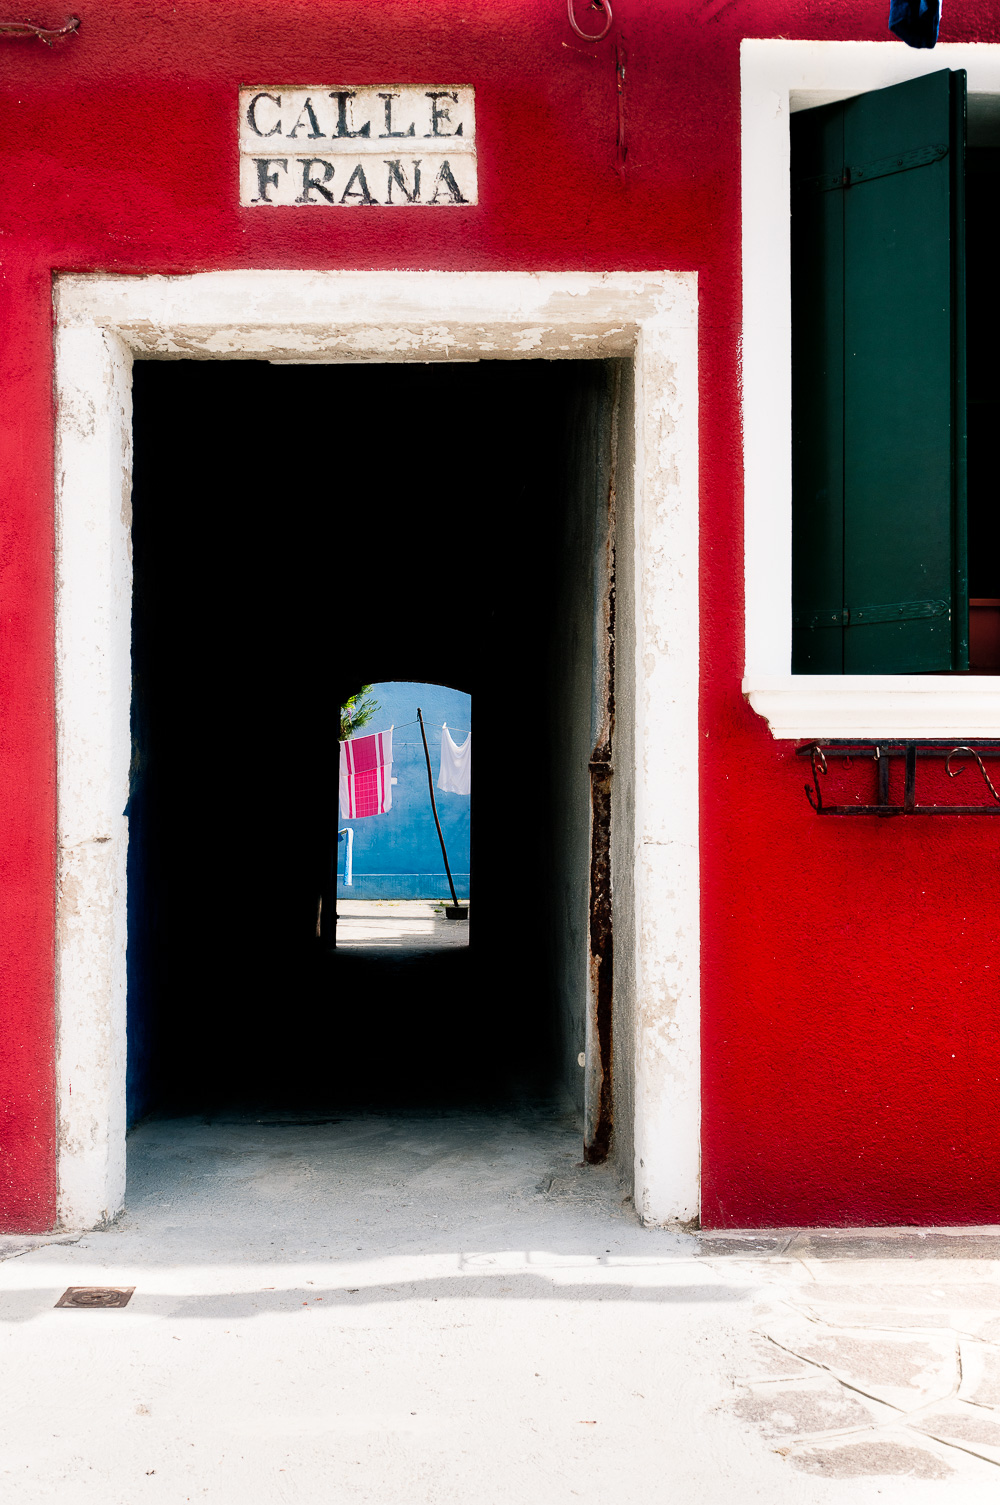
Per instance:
x=430, y=785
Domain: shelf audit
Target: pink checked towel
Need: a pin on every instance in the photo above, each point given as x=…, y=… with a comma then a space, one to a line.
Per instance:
x=366, y=775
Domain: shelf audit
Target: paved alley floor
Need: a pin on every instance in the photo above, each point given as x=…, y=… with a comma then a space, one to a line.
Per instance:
x=398, y=924
x=449, y=1308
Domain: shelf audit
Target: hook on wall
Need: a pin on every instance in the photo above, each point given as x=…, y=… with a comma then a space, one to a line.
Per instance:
x=590, y=36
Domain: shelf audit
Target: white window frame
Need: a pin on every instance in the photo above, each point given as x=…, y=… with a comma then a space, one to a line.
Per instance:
x=779, y=77
x=648, y=318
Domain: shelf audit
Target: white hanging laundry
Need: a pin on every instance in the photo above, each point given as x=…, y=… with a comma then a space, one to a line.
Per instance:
x=456, y=764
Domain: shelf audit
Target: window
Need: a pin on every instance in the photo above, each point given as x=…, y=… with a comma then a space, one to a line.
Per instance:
x=879, y=509
x=782, y=80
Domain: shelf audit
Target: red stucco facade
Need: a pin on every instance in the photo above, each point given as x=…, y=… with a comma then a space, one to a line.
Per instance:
x=850, y=969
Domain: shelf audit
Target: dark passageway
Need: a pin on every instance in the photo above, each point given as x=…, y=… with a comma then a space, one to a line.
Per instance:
x=299, y=531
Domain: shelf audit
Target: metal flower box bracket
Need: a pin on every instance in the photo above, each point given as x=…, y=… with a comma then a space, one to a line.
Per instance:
x=957, y=759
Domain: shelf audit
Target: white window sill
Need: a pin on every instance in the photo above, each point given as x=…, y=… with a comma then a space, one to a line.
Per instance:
x=876, y=705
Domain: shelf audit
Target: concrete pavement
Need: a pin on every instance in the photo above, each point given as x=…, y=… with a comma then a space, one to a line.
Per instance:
x=449, y=1308
x=397, y=925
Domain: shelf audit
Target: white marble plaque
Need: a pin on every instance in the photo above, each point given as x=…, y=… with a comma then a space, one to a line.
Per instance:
x=329, y=147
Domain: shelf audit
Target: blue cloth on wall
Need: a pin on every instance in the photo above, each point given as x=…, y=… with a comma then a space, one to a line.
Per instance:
x=915, y=22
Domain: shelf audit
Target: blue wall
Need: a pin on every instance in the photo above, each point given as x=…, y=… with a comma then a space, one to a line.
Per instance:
x=398, y=855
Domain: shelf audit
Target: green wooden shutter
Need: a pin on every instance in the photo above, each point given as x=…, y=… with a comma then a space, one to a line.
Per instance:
x=878, y=382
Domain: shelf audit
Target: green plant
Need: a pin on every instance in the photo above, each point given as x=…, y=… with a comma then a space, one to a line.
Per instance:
x=356, y=711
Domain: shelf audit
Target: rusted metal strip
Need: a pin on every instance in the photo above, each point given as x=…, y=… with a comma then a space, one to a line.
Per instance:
x=600, y=1109
x=598, y=1139
x=621, y=64
x=29, y=30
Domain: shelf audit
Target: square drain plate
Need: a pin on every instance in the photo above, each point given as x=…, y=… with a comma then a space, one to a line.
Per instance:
x=96, y=1296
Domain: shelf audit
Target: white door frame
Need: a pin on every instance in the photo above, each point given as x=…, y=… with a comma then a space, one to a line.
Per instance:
x=101, y=323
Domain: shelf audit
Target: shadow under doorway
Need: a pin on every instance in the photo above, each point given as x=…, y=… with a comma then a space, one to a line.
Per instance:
x=299, y=530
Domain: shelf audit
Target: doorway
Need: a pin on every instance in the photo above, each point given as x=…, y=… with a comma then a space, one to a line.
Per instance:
x=299, y=531
x=649, y=322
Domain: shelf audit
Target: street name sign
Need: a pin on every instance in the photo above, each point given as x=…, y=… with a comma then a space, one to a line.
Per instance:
x=385, y=146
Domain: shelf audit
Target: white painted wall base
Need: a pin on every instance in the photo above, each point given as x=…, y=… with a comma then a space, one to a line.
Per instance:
x=378, y=316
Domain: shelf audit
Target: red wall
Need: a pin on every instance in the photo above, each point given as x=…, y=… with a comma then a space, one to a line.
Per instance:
x=851, y=1051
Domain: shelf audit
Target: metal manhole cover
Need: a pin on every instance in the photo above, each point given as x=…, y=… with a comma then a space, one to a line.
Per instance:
x=96, y=1296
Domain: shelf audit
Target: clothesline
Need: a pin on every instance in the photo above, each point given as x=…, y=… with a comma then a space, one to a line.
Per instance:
x=407, y=744
x=400, y=726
